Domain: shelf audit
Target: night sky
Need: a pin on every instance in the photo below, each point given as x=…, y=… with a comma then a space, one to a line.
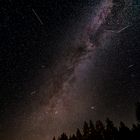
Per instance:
x=66, y=61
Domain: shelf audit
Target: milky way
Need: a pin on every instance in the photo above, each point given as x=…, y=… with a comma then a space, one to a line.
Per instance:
x=63, y=103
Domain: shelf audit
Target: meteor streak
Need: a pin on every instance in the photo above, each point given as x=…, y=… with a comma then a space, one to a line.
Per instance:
x=37, y=16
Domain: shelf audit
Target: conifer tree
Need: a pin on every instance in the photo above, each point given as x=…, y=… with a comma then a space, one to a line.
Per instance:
x=86, y=129
x=78, y=134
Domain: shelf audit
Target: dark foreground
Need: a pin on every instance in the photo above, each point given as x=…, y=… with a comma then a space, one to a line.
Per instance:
x=107, y=131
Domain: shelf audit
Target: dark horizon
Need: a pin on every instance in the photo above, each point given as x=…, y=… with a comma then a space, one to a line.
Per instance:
x=103, y=131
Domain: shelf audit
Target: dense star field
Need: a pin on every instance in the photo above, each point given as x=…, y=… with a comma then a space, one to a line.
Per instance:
x=66, y=61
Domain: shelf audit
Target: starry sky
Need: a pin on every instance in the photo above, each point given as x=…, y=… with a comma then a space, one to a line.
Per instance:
x=66, y=61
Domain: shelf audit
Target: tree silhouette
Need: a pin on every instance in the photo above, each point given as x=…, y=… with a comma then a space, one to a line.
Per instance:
x=91, y=130
x=63, y=137
x=86, y=129
x=74, y=137
x=78, y=135
x=111, y=132
x=99, y=131
x=138, y=111
x=124, y=132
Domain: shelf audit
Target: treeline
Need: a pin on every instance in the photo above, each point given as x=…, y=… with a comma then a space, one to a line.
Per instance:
x=101, y=131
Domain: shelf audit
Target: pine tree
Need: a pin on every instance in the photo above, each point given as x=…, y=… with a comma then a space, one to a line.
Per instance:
x=138, y=111
x=111, y=132
x=100, y=130
x=74, y=137
x=91, y=127
x=124, y=132
x=63, y=137
x=54, y=138
x=78, y=134
x=91, y=130
x=86, y=129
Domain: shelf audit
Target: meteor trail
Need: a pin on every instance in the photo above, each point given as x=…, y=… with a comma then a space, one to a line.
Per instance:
x=113, y=31
x=37, y=16
x=123, y=29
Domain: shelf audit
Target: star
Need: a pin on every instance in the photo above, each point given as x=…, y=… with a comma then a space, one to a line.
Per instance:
x=93, y=108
